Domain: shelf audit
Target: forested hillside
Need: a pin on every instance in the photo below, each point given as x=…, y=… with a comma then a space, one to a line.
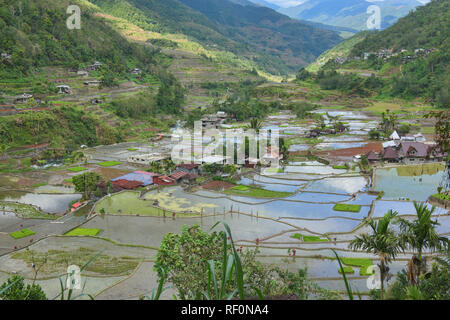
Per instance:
x=410, y=59
x=275, y=42
x=34, y=34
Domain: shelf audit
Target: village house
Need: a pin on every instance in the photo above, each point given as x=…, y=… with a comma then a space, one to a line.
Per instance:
x=82, y=73
x=146, y=159
x=96, y=66
x=372, y=156
x=390, y=154
x=93, y=83
x=214, y=121
x=5, y=55
x=189, y=168
x=413, y=152
x=136, y=71
x=134, y=180
x=64, y=89
x=23, y=98
x=407, y=152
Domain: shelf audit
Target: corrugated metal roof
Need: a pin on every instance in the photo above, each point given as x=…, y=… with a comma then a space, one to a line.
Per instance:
x=178, y=175
x=145, y=177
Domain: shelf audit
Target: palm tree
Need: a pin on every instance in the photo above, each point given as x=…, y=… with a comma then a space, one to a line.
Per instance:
x=382, y=242
x=420, y=235
x=255, y=124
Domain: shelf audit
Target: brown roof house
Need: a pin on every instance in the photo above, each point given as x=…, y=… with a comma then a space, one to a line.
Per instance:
x=390, y=154
x=372, y=156
x=413, y=152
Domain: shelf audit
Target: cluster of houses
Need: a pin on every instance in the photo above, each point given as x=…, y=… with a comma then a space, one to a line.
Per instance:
x=407, y=150
x=184, y=172
x=214, y=121
x=317, y=132
x=387, y=54
x=342, y=60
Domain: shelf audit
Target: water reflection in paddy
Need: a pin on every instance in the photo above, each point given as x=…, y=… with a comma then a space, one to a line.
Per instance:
x=319, y=197
x=338, y=185
x=51, y=203
x=151, y=230
x=346, y=138
x=314, y=170
x=413, y=182
x=337, y=145
x=268, y=186
x=275, y=208
x=326, y=226
x=402, y=207
x=265, y=179
x=299, y=147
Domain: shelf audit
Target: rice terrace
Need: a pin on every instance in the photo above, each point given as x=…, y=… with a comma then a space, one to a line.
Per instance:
x=199, y=155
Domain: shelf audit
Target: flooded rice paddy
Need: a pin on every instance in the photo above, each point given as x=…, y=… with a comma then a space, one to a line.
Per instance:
x=409, y=182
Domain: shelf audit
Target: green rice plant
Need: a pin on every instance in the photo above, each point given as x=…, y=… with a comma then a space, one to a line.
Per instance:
x=22, y=233
x=70, y=290
x=346, y=270
x=347, y=207
x=77, y=169
x=109, y=163
x=83, y=232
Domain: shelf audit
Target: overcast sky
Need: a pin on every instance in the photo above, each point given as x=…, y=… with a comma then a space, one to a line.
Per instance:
x=292, y=3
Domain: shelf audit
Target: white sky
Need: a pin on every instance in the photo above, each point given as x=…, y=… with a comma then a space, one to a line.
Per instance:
x=292, y=3
x=286, y=3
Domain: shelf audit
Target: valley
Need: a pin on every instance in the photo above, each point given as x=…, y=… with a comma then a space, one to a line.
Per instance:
x=89, y=122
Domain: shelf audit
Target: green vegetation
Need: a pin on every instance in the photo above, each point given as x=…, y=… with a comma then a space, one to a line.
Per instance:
x=55, y=261
x=339, y=167
x=216, y=22
x=41, y=23
x=86, y=183
x=249, y=191
x=442, y=196
x=309, y=238
x=347, y=207
x=382, y=241
x=204, y=265
x=25, y=211
x=77, y=169
x=109, y=163
x=84, y=232
x=362, y=263
x=347, y=270
x=22, y=233
x=15, y=289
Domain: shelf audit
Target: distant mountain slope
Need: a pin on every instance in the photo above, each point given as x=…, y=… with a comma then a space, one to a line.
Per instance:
x=275, y=42
x=266, y=4
x=411, y=58
x=342, y=50
x=350, y=13
x=427, y=27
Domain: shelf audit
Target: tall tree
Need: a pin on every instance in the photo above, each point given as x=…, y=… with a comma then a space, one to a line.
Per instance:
x=382, y=241
x=419, y=235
